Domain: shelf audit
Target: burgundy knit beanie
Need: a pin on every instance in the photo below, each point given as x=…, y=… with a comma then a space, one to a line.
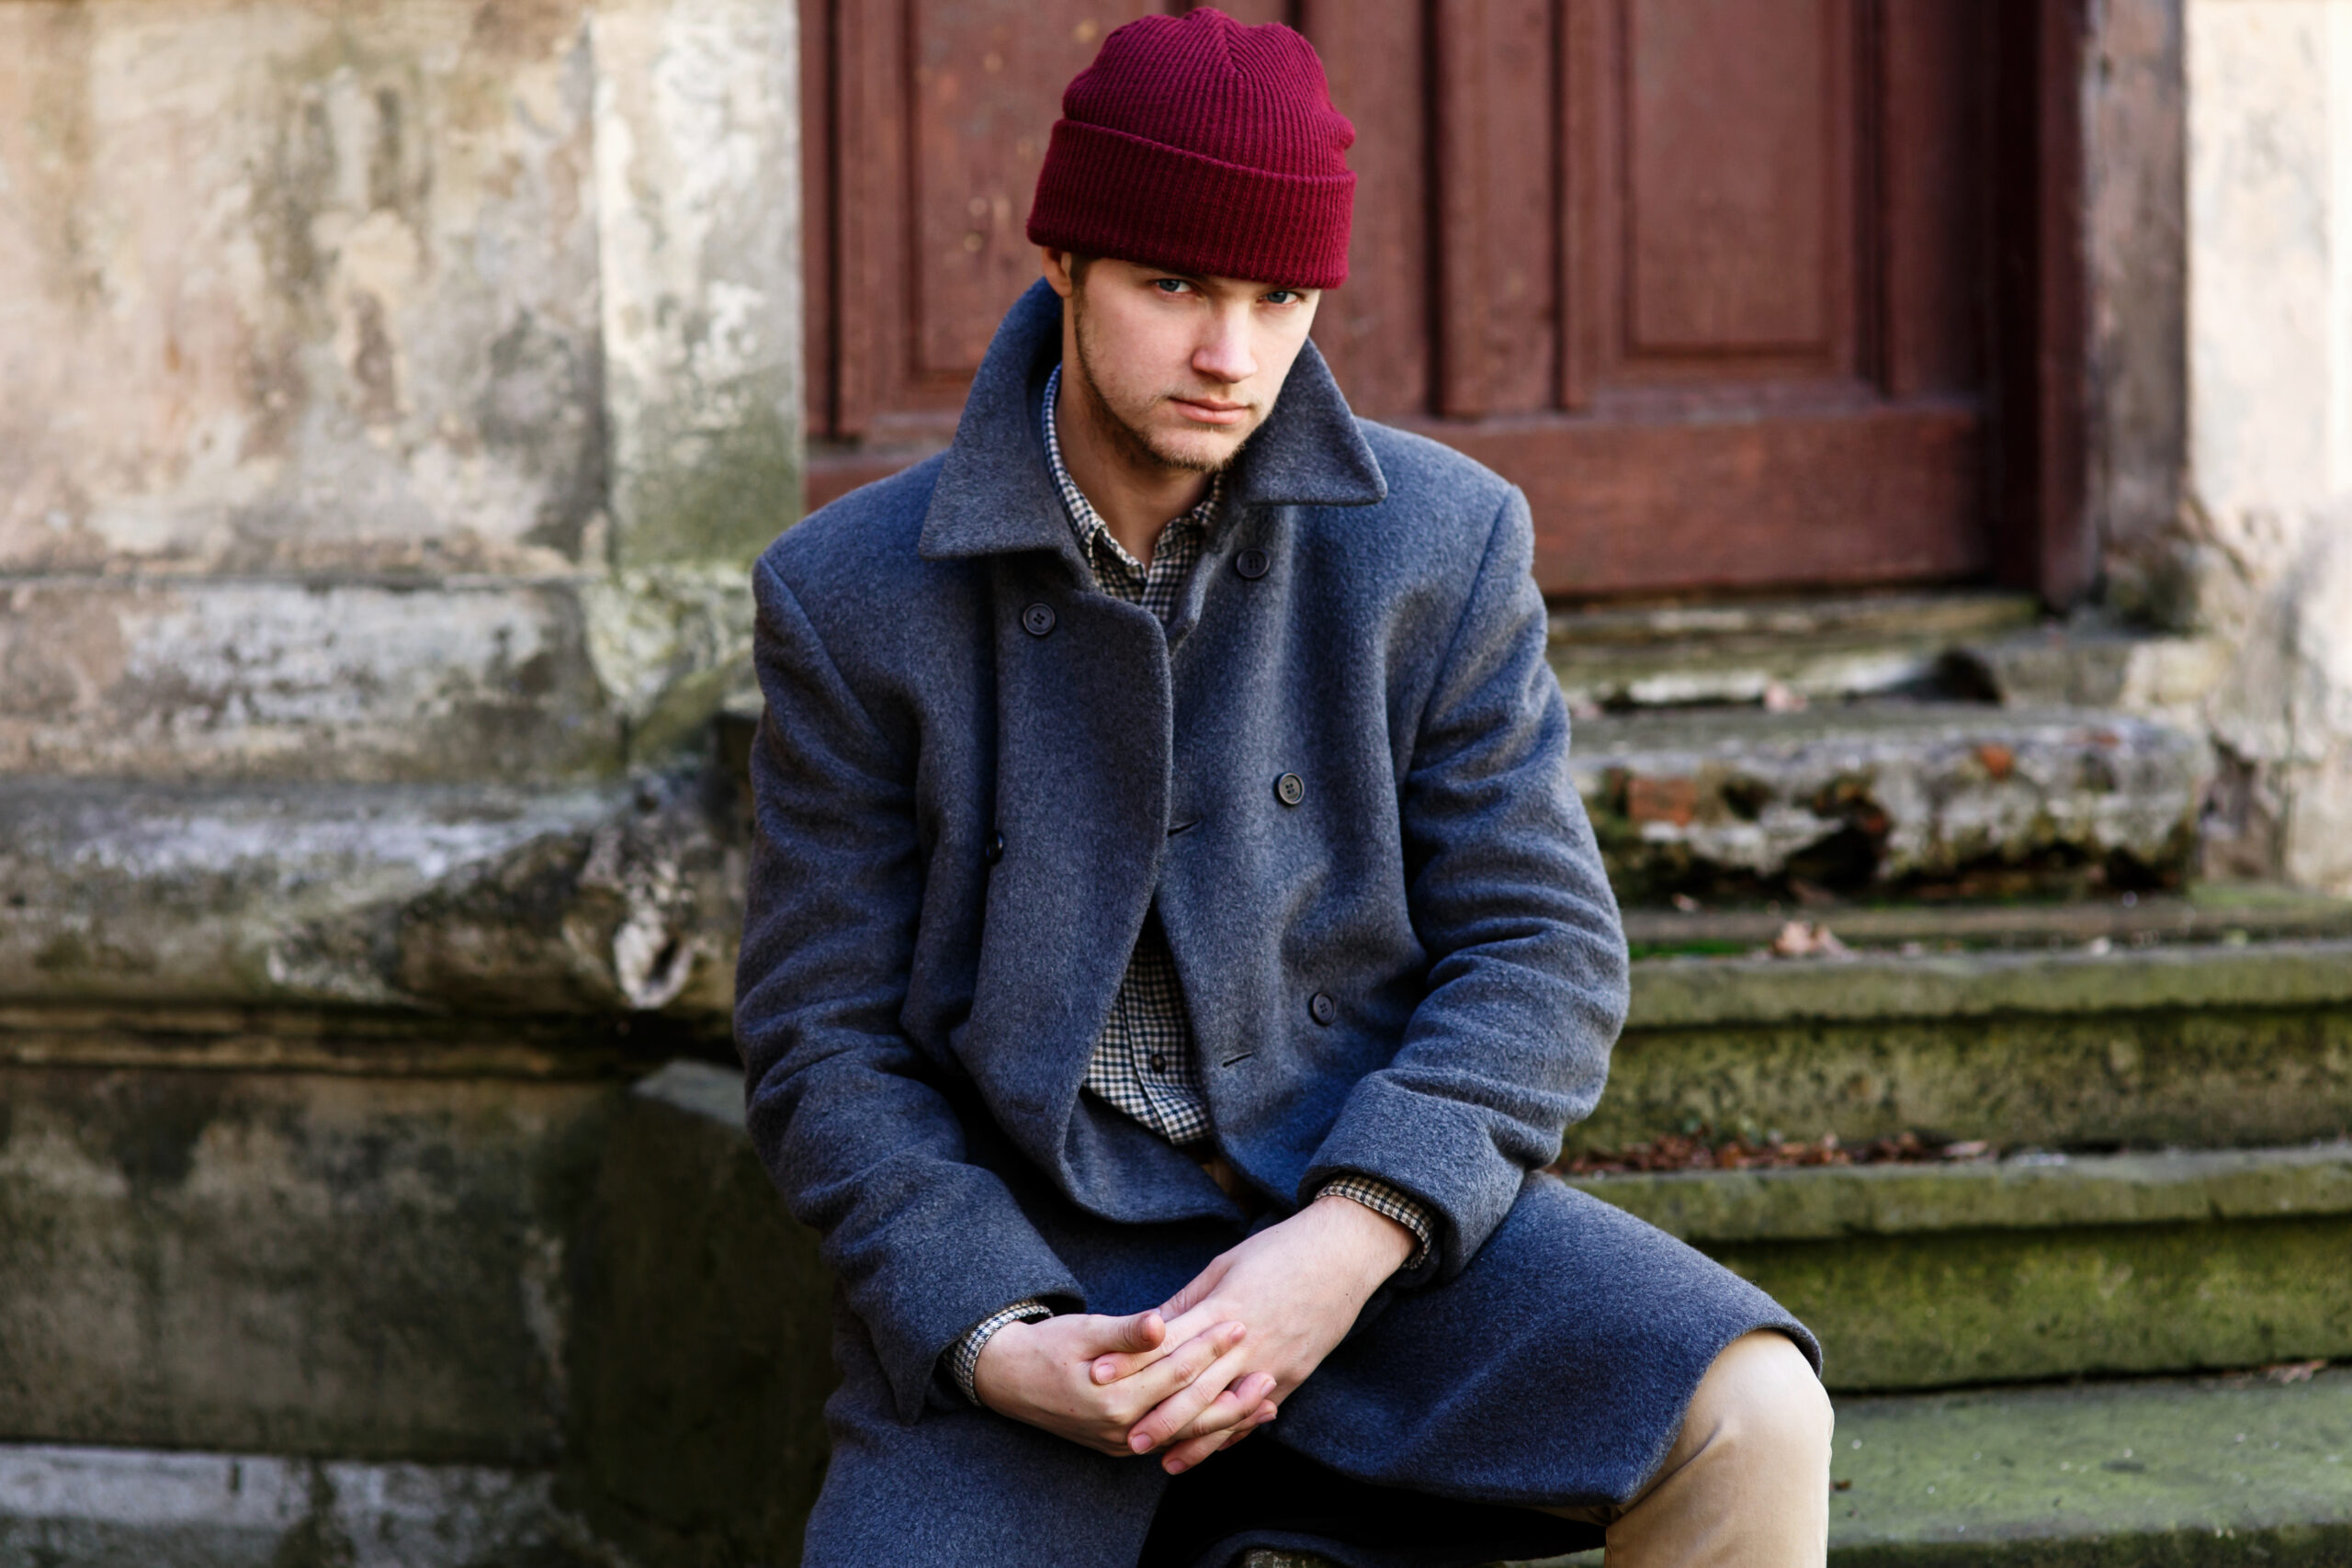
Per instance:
x=1196, y=143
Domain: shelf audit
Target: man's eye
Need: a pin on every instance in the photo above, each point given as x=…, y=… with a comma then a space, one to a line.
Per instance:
x=1282, y=297
x=1170, y=285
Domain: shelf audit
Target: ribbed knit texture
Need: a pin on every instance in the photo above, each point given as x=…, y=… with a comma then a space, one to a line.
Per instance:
x=1196, y=143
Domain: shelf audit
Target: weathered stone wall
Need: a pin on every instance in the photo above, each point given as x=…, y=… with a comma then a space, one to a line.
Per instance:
x=392, y=395
x=309, y=1263
x=388, y=391
x=2255, y=562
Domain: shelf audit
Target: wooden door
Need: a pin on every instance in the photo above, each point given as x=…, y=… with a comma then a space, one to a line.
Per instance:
x=1721, y=284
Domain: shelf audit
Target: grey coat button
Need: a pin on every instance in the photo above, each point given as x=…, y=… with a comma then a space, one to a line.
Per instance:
x=993, y=851
x=1321, y=1008
x=1290, y=789
x=1251, y=563
x=1037, y=619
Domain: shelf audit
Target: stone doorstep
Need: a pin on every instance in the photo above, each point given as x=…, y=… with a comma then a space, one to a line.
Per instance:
x=1927, y=1276
x=2033, y=1192
x=2192, y=1047
x=2093, y=663
x=1670, y=675
x=99, y=1508
x=2209, y=912
x=1887, y=795
x=2100, y=1475
x=1945, y=617
x=1879, y=985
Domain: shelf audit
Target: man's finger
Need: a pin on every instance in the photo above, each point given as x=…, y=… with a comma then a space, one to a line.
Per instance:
x=1115, y=1361
x=1181, y=1366
x=1197, y=1321
x=1176, y=1413
x=1183, y=1457
x=1236, y=1406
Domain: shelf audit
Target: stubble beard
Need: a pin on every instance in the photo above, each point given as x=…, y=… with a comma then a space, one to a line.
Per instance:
x=1135, y=447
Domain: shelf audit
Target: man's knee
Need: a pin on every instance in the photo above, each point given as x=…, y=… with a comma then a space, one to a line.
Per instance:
x=1761, y=1393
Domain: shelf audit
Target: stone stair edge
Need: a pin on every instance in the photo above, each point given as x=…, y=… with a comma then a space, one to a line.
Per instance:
x=457, y=899
x=114, y=1507
x=1685, y=991
x=2035, y=1192
x=2209, y=911
x=1706, y=733
x=1676, y=992
x=1831, y=1203
x=1891, y=616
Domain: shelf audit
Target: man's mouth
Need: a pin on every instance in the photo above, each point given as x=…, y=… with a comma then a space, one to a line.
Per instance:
x=1211, y=411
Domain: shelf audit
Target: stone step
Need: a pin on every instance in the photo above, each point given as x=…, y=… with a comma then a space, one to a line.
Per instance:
x=694, y=1300
x=2208, y=912
x=2215, y=1472
x=1884, y=797
x=2198, y=1046
x=464, y=900
x=96, y=1507
x=2130, y=1263
x=2040, y=1265
x=2090, y=663
x=1816, y=649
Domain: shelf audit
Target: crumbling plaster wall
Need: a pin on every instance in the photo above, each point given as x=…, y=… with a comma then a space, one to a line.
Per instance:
x=2258, y=557
x=388, y=391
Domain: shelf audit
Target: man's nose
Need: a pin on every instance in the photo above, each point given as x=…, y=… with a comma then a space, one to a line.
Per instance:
x=1223, y=355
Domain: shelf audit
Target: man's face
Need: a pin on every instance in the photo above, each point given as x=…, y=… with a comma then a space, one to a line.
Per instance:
x=1176, y=370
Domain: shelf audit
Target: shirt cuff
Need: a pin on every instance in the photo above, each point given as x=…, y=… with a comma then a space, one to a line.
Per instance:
x=1394, y=1201
x=963, y=1355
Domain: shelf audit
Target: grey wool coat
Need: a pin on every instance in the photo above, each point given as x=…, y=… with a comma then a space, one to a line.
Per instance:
x=978, y=773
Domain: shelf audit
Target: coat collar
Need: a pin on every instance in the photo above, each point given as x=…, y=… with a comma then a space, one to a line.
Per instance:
x=994, y=494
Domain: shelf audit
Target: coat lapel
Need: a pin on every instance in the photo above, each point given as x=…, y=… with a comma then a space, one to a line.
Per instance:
x=994, y=494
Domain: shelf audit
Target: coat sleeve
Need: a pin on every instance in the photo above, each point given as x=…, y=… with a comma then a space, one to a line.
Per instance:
x=1527, y=975
x=846, y=1112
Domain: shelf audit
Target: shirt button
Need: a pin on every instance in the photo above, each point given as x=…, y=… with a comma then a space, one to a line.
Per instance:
x=993, y=851
x=1159, y=1064
x=1290, y=789
x=1251, y=563
x=1037, y=619
x=1321, y=1008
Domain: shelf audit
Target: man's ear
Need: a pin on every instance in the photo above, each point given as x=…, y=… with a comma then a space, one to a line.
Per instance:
x=1057, y=270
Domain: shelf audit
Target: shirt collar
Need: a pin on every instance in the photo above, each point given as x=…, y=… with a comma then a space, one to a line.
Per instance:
x=1083, y=519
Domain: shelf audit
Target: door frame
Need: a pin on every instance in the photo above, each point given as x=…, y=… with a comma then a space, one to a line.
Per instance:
x=2042, y=535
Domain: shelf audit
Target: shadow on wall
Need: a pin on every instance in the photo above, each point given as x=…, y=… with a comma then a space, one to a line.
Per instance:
x=703, y=1357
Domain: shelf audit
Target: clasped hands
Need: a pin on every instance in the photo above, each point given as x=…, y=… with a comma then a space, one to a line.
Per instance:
x=1212, y=1365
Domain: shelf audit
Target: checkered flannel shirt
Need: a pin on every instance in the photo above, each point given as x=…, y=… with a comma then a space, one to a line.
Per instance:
x=1143, y=1062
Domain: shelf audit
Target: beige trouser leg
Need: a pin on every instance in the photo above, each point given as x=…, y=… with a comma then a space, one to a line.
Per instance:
x=1746, y=1484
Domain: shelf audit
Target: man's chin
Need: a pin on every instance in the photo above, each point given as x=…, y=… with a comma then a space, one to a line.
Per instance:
x=1197, y=451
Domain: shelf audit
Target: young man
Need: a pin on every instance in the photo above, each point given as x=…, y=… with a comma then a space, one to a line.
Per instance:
x=1175, y=945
